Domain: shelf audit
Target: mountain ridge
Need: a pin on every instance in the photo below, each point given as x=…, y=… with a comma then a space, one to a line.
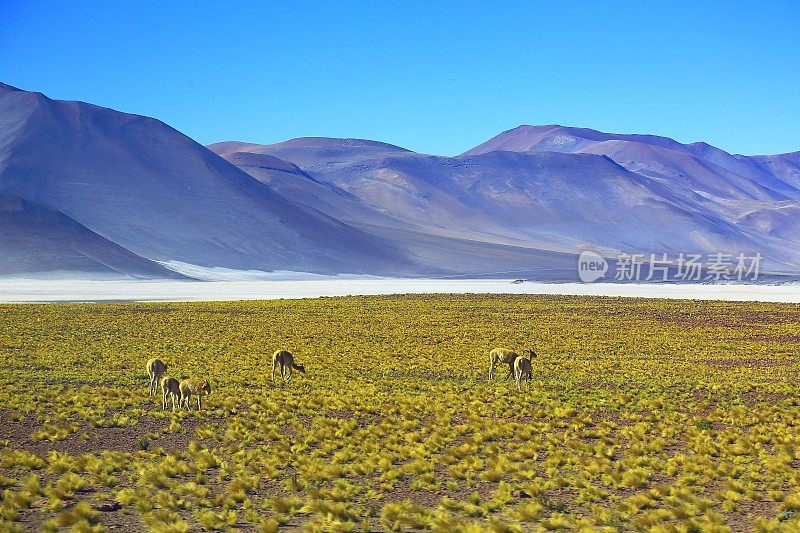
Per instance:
x=594, y=134
x=36, y=240
x=706, y=191
x=145, y=186
x=528, y=200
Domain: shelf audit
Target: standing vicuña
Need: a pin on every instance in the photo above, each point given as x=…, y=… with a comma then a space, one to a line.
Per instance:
x=286, y=362
x=505, y=356
x=522, y=370
x=170, y=388
x=188, y=387
x=156, y=369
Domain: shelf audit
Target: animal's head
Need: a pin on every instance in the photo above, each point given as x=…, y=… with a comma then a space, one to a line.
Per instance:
x=301, y=368
x=530, y=353
x=206, y=387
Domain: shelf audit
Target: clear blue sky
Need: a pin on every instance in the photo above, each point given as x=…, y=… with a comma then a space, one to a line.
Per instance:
x=437, y=77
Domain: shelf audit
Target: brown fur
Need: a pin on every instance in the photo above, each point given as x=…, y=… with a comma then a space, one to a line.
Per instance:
x=189, y=387
x=506, y=356
x=156, y=368
x=170, y=389
x=522, y=370
x=285, y=361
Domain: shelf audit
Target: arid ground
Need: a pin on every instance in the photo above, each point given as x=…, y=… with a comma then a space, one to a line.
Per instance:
x=642, y=415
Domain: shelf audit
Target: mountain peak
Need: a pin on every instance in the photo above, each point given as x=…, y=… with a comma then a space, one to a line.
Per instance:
x=305, y=144
x=558, y=138
x=7, y=87
x=336, y=205
x=337, y=142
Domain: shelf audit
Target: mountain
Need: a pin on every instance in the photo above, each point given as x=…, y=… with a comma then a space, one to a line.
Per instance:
x=553, y=189
x=85, y=189
x=784, y=166
x=150, y=189
x=436, y=247
x=288, y=180
x=758, y=195
x=35, y=240
x=658, y=155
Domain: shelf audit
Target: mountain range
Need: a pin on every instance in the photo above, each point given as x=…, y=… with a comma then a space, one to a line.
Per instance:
x=87, y=190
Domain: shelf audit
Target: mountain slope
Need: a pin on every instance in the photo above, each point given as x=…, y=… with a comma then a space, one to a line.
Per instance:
x=36, y=240
x=111, y=192
x=154, y=191
x=759, y=195
x=434, y=245
x=288, y=180
x=651, y=152
x=546, y=192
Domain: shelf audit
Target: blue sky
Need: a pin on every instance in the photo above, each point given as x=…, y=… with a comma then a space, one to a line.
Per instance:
x=437, y=77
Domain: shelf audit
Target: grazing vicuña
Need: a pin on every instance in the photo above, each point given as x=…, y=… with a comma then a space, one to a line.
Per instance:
x=170, y=388
x=522, y=370
x=189, y=387
x=286, y=362
x=156, y=369
x=506, y=356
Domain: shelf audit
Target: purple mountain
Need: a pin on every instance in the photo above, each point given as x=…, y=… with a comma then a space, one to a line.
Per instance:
x=36, y=240
x=556, y=189
x=153, y=191
x=92, y=190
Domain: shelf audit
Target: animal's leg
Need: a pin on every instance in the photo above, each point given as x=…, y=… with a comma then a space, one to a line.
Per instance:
x=491, y=369
x=288, y=373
